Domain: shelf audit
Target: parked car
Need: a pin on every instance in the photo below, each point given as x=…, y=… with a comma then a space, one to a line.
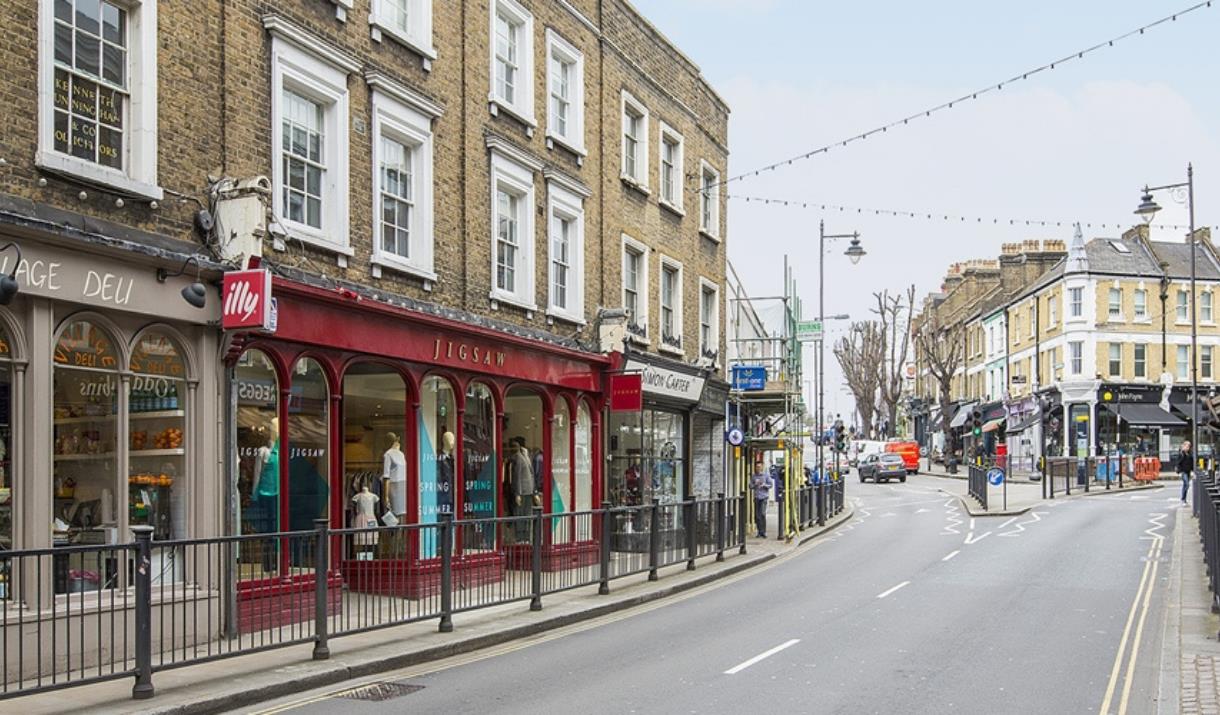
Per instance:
x=882, y=467
x=909, y=451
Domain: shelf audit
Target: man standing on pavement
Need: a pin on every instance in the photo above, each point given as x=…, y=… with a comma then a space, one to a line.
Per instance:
x=1185, y=465
x=760, y=484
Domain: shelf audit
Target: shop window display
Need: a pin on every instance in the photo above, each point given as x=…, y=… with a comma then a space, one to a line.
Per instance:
x=84, y=444
x=6, y=445
x=156, y=408
x=584, y=469
x=524, y=470
x=561, y=472
x=308, y=445
x=258, y=440
x=479, y=461
x=437, y=443
x=374, y=465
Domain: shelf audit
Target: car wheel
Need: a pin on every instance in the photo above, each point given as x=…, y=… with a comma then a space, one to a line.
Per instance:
x=862, y=479
x=902, y=479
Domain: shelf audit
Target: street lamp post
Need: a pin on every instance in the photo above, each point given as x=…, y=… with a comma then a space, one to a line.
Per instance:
x=855, y=252
x=1148, y=208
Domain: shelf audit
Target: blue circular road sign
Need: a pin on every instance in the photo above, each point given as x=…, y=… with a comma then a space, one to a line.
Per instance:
x=995, y=476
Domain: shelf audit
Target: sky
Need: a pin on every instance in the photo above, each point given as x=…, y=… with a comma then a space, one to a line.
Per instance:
x=1073, y=144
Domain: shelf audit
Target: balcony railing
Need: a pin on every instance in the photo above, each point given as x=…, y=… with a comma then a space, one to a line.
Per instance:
x=673, y=341
x=637, y=329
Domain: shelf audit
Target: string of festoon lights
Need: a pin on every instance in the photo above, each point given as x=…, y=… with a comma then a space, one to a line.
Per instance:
x=945, y=106
x=941, y=216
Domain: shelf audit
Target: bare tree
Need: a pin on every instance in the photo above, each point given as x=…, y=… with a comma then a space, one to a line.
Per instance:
x=894, y=314
x=941, y=344
x=858, y=354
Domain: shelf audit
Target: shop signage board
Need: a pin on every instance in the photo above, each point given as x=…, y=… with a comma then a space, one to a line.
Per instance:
x=809, y=330
x=749, y=378
x=626, y=393
x=246, y=302
x=663, y=382
x=101, y=282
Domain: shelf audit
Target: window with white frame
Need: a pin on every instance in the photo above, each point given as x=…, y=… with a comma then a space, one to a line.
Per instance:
x=671, y=304
x=512, y=231
x=403, y=206
x=408, y=22
x=512, y=59
x=1033, y=319
x=1076, y=302
x=1116, y=303
x=1205, y=306
x=1205, y=362
x=1116, y=360
x=1076, y=357
x=1016, y=327
x=671, y=165
x=635, y=140
x=1052, y=309
x=1182, y=307
x=635, y=286
x=1140, y=303
x=1183, y=362
x=1141, y=361
x=309, y=136
x=566, y=93
x=709, y=200
x=565, y=273
x=709, y=318
x=98, y=78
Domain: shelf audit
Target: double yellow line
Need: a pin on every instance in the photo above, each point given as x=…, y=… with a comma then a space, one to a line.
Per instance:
x=1144, y=594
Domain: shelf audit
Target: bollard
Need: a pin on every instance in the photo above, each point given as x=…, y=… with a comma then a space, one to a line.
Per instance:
x=654, y=539
x=445, y=534
x=741, y=523
x=720, y=525
x=321, y=651
x=603, y=586
x=536, y=560
x=143, y=688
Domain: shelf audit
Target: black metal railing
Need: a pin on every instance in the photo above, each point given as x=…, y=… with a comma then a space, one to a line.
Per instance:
x=978, y=484
x=1067, y=474
x=1207, y=508
x=83, y=614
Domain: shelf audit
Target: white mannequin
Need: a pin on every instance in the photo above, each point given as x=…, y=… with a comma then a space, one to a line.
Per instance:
x=394, y=472
x=366, y=516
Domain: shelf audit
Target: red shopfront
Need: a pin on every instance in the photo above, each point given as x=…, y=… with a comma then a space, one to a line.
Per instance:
x=354, y=399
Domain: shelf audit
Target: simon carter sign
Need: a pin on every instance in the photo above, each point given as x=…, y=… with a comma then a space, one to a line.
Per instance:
x=662, y=382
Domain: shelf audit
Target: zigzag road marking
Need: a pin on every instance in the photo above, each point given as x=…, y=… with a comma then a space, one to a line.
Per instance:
x=1157, y=518
x=1020, y=526
x=954, y=522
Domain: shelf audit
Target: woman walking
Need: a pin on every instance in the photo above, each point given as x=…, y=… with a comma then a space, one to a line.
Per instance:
x=1185, y=465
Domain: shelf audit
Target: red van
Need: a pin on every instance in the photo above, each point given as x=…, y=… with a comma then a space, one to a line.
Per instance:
x=909, y=452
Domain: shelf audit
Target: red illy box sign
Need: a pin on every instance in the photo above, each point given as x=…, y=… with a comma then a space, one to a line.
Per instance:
x=246, y=301
x=626, y=393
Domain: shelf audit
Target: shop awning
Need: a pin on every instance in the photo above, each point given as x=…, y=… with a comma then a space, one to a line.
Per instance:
x=993, y=425
x=962, y=414
x=1143, y=415
x=1025, y=423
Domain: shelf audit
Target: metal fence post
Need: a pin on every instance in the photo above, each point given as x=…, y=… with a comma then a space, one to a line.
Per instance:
x=691, y=545
x=741, y=523
x=536, y=560
x=819, y=498
x=603, y=586
x=654, y=539
x=445, y=534
x=143, y=689
x=321, y=651
x=720, y=526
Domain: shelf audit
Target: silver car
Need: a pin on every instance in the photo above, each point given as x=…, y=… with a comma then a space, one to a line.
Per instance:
x=882, y=467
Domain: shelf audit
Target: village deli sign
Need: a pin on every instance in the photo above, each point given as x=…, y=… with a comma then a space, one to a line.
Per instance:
x=670, y=384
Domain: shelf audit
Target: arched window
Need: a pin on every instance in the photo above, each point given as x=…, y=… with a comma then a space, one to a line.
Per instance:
x=561, y=469
x=6, y=441
x=479, y=466
x=308, y=445
x=156, y=409
x=584, y=465
x=258, y=449
x=374, y=462
x=85, y=441
x=437, y=442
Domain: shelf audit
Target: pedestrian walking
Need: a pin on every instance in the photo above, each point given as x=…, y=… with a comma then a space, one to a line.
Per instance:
x=1185, y=465
x=760, y=484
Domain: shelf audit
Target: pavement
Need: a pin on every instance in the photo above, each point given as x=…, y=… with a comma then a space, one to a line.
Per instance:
x=1189, y=640
x=1018, y=494
x=242, y=681
x=911, y=607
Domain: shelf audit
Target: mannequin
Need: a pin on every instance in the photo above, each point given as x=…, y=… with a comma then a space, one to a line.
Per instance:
x=366, y=517
x=267, y=489
x=394, y=475
x=444, y=474
x=521, y=483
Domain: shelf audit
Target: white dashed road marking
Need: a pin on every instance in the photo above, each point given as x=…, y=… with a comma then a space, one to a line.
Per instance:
x=886, y=593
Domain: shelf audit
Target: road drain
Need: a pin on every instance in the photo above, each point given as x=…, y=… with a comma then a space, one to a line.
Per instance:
x=377, y=692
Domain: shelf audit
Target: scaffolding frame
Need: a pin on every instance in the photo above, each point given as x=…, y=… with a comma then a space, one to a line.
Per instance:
x=774, y=419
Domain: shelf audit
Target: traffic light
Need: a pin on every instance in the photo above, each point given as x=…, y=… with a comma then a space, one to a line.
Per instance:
x=840, y=438
x=976, y=423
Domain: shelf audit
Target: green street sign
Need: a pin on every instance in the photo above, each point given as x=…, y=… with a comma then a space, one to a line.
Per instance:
x=808, y=330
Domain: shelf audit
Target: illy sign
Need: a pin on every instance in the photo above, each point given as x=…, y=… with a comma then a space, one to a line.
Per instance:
x=247, y=302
